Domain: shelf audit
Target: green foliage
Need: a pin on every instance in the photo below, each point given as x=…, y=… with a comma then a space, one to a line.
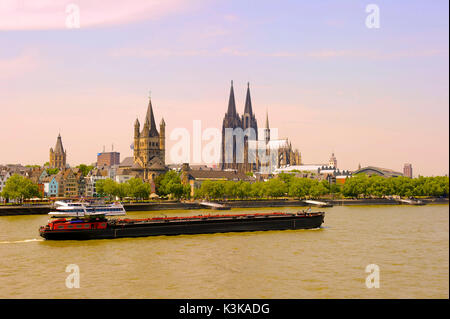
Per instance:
x=275, y=187
x=85, y=169
x=357, y=186
x=52, y=171
x=169, y=184
x=377, y=186
x=138, y=189
x=18, y=187
x=134, y=188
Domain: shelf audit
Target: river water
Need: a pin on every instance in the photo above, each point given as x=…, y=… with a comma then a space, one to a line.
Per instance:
x=410, y=245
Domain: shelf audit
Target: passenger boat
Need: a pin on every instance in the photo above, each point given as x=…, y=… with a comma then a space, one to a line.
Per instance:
x=96, y=225
x=83, y=209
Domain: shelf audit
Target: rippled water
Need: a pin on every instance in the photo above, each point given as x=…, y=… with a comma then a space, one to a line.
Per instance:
x=409, y=244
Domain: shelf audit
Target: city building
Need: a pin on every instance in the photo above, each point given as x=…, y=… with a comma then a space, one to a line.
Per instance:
x=372, y=170
x=68, y=184
x=195, y=177
x=407, y=170
x=4, y=176
x=108, y=159
x=333, y=161
x=91, y=179
x=58, y=155
x=317, y=171
x=241, y=147
x=50, y=186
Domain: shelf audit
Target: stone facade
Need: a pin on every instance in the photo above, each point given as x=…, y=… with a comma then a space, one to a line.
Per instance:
x=58, y=155
x=149, y=150
x=241, y=149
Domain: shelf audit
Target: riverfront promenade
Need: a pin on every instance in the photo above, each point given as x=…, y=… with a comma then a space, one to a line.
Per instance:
x=174, y=205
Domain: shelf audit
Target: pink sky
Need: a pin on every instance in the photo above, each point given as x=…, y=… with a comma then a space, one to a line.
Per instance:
x=374, y=97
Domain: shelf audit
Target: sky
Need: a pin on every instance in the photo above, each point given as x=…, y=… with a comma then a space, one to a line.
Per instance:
x=374, y=96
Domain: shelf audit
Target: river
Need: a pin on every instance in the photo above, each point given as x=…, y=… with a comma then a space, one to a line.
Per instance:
x=409, y=244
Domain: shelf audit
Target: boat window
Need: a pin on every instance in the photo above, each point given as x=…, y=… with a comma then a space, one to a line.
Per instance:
x=60, y=227
x=70, y=226
x=79, y=226
x=87, y=226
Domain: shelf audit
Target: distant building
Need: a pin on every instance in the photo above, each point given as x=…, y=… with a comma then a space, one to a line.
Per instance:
x=372, y=170
x=195, y=177
x=333, y=161
x=245, y=152
x=50, y=186
x=67, y=184
x=58, y=155
x=407, y=170
x=108, y=159
x=4, y=176
x=92, y=178
x=317, y=171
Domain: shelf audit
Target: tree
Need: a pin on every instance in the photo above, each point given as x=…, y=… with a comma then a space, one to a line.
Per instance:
x=85, y=169
x=355, y=186
x=165, y=183
x=275, y=188
x=257, y=189
x=19, y=188
x=300, y=187
x=317, y=189
x=212, y=189
x=52, y=171
x=106, y=187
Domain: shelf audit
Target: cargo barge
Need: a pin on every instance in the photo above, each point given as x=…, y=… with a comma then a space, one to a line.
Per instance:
x=97, y=226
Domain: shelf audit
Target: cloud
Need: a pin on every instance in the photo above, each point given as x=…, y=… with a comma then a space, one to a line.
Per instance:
x=52, y=14
x=376, y=55
x=143, y=52
x=26, y=62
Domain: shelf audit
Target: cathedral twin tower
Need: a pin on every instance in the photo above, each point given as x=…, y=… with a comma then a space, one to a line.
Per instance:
x=240, y=144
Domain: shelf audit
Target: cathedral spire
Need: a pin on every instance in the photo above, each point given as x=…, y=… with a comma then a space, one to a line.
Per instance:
x=59, y=149
x=248, y=101
x=267, y=129
x=231, y=103
x=150, y=120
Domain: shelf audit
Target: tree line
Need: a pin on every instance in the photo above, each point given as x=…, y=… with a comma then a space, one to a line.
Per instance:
x=360, y=185
x=166, y=185
x=18, y=188
x=169, y=185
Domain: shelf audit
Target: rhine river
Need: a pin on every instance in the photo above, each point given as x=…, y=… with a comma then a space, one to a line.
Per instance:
x=410, y=245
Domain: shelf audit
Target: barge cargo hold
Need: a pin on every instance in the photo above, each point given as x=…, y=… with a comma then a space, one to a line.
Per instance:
x=98, y=227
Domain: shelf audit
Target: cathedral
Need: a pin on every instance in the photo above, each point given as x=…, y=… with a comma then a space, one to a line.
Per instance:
x=241, y=150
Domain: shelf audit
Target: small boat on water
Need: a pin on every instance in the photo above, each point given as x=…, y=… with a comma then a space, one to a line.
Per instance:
x=91, y=222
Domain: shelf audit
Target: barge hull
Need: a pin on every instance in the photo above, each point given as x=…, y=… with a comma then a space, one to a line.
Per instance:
x=144, y=229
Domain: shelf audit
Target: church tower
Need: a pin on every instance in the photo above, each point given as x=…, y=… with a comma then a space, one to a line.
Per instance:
x=267, y=129
x=162, y=138
x=149, y=146
x=58, y=155
x=230, y=121
x=333, y=161
x=250, y=127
